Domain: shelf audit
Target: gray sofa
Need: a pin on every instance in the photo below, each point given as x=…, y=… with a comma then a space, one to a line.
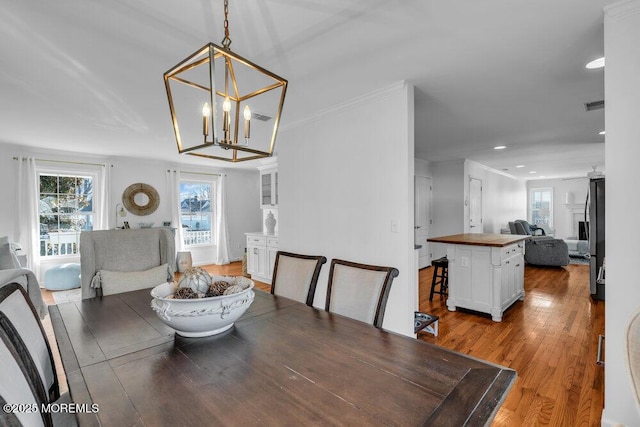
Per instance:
x=541, y=250
x=124, y=251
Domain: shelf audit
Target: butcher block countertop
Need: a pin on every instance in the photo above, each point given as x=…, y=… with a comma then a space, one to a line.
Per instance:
x=477, y=239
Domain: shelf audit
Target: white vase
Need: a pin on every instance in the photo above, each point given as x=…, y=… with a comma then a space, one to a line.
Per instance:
x=270, y=223
x=183, y=259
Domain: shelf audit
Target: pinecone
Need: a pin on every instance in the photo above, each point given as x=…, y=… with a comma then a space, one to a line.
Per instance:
x=186, y=293
x=217, y=288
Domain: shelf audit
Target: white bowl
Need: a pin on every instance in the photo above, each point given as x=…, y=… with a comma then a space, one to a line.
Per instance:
x=201, y=317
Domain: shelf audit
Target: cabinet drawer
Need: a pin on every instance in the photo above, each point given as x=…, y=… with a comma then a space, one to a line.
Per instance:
x=272, y=241
x=256, y=240
x=511, y=250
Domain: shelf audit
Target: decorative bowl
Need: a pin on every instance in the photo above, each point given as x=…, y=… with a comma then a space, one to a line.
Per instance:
x=145, y=224
x=202, y=317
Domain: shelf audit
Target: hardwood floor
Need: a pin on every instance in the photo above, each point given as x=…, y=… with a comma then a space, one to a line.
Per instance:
x=550, y=339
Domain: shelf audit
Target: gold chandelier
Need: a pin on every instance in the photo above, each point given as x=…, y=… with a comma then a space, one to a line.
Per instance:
x=210, y=89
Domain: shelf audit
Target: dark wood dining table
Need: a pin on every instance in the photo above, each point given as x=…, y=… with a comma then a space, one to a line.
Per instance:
x=283, y=363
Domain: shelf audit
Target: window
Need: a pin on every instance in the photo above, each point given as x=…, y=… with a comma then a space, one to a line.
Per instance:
x=65, y=209
x=196, y=212
x=541, y=206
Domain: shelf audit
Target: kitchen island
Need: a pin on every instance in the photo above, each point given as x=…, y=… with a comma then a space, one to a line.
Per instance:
x=486, y=271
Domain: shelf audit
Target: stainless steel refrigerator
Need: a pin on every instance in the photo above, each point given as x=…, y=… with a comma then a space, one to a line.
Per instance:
x=595, y=209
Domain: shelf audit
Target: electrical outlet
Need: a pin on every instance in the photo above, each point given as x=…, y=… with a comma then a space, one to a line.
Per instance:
x=394, y=226
x=464, y=261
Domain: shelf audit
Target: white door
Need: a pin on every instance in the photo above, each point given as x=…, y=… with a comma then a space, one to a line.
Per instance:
x=475, y=205
x=422, y=200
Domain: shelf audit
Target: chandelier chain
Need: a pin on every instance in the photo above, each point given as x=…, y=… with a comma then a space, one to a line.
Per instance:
x=226, y=42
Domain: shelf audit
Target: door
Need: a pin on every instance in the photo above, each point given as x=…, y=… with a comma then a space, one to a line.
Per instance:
x=475, y=205
x=422, y=218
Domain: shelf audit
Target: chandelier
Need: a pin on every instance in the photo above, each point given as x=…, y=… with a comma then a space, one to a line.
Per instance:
x=227, y=107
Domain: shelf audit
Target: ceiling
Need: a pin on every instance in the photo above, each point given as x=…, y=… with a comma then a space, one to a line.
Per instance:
x=86, y=75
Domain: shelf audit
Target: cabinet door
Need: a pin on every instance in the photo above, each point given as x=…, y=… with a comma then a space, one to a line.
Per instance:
x=271, y=255
x=269, y=189
x=265, y=189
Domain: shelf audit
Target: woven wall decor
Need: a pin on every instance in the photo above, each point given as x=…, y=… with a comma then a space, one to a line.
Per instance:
x=129, y=199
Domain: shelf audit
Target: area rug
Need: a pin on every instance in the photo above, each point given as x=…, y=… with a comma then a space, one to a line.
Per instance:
x=578, y=260
x=61, y=297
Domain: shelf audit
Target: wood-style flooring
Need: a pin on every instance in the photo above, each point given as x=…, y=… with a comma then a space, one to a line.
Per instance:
x=550, y=339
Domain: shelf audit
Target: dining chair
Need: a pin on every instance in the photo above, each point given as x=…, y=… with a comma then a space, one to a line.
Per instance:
x=295, y=276
x=20, y=316
x=17, y=387
x=359, y=291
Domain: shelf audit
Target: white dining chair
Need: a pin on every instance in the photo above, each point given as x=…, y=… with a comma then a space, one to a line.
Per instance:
x=17, y=390
x=21, y=315
x=359, y=291
x=295, y=276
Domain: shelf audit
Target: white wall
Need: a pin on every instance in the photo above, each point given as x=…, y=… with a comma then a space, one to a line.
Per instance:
x=565, y=215
x=243, y=208
x=622, y=151
x=345, y=177
x=504, y=198
x=448, y=202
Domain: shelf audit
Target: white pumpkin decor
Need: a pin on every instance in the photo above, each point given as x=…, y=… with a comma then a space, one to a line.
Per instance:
x=195, y=278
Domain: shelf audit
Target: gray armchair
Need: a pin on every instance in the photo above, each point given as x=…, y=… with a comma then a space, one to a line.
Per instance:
x=523, y=227
x=547, y=251
x=541, y=250
x=118, y=252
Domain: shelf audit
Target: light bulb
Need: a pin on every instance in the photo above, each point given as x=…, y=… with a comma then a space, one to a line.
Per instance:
x=206, y=110
x=226, y=105
x=247, y=112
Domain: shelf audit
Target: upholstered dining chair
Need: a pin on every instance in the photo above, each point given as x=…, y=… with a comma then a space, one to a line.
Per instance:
x=295, y=276
x=19, y=319
x=20, y=385
x=633, y=352
x=359, y=291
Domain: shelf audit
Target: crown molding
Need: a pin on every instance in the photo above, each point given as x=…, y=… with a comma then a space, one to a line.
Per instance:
x=386, y=90
x=622, y=10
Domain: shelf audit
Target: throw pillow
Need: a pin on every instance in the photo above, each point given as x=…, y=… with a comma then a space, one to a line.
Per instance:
x=8, y=259
x=115, y=282
x=3, y=240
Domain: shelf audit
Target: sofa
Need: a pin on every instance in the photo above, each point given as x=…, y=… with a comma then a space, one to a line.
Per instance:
x=113, y=261
x=541, y=250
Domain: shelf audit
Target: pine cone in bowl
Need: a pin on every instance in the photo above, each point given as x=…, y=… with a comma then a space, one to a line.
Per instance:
x=217, y=288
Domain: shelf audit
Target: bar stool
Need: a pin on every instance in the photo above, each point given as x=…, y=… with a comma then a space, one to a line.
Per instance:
x=440, y=276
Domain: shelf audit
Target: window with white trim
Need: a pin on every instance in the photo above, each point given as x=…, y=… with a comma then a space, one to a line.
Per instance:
x=197, y=201
x=541, y=207
x=66, y=208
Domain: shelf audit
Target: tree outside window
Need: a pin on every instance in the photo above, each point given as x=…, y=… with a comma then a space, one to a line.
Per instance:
x=65, y=209
x=196, y=211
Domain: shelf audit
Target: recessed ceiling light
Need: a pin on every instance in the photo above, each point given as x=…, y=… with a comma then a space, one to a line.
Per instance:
x=520, y=166
x=601, y=132
x=499, y=147
x=533, y=172
x=596, y=63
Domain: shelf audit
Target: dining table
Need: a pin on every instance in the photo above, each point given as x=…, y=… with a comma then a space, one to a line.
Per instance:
x=282, y=363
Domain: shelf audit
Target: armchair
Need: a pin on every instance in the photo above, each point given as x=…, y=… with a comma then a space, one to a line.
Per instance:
x=541, y=249
x=526, y=228
x=114, y=253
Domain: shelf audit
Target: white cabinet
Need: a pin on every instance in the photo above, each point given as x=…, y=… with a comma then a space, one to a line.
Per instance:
x=488, y=279
x=268, y=188
x=261, y=256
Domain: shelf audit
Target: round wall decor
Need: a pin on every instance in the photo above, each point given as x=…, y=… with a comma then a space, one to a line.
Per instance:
x=140, y=199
